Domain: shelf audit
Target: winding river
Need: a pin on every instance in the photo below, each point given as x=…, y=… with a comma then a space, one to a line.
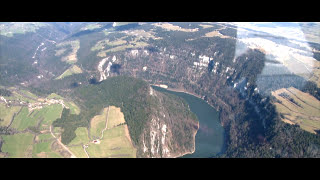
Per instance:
x=210, y=136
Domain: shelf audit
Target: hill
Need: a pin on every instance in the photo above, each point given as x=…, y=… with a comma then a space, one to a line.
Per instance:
x=149, y=116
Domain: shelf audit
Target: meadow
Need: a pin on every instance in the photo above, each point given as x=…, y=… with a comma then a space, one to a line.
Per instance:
x=299, y=108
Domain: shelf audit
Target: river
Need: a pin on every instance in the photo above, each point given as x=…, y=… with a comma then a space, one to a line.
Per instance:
x=210, y=136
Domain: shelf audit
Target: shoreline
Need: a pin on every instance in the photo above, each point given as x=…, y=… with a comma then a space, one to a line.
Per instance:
x=184, y=91
x=177, y=90
x=194, y=148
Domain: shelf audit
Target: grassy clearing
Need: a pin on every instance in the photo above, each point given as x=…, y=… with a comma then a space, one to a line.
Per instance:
x=91, y=27
x=141, y=34
x=54, y=96
x=98, y=123
x=16, y=96
x=298, y=108
x=101, y=44
x=28, y=94
x=6, y=114
x=59, y=52
x=74, y=109
x=115, y=117
x=139, y=44
x=72, y=56
x=72, y=70
x=121, y=44
x=216, y=34
x=81, y=136
x=18, y=145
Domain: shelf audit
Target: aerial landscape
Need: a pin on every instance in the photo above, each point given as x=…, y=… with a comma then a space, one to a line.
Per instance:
x=159, y=90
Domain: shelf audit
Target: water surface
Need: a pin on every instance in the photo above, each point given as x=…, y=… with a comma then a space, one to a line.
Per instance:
x=210, y=136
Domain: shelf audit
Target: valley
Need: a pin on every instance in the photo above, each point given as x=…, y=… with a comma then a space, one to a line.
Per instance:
x=262, y=80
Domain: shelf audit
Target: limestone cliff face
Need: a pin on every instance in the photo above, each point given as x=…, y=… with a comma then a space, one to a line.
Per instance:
x=171, y=130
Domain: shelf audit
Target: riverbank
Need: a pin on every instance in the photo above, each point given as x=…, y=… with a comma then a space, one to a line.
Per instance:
x=177, y=90
x=182, y=90
x=209, y=138
x=194, y=147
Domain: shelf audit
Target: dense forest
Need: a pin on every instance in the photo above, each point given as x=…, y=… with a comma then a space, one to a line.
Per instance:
x=127, y=93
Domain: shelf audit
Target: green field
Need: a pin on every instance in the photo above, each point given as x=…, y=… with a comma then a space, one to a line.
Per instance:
x=74, y=109
x=6, y=114
x=41, y=147
x=18, y=97
x=23, y=120
x=81, y=138
x=43, y=150
x=44, y=136
x=18, y=145
x=46, y=115
x=50, y=113
x=28, y=94
x=72, y=70
x=115, y=141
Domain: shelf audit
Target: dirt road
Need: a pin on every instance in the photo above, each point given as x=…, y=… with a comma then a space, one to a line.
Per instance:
x=72, y=155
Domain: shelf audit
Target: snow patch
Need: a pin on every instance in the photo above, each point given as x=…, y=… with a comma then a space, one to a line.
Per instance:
x=134, y=52
x=102, y=73
x=151, y=91
x=114, y=58
x=144, y=68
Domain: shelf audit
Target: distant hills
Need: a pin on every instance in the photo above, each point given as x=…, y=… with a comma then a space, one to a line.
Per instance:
x=238, y=68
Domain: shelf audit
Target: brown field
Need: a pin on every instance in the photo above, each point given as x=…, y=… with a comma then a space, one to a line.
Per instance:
x=115, y=117
x=304, y=111
x=98, y=123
